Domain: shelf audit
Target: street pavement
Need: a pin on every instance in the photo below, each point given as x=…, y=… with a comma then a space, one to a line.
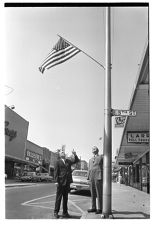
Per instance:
x=37, y=200
x=127, y=203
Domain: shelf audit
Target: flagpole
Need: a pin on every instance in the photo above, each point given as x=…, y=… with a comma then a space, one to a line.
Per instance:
x=82, y=51
x=107, y=163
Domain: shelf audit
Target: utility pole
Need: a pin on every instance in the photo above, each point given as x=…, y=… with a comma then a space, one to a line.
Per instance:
x=107, y=163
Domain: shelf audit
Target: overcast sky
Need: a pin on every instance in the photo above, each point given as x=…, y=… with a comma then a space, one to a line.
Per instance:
x=65, y=105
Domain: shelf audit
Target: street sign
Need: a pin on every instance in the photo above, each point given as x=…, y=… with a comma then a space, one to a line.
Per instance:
x=119, y=112
x=120, y=121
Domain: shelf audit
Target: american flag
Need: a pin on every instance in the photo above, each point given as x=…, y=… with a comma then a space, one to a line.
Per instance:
x=61, y=52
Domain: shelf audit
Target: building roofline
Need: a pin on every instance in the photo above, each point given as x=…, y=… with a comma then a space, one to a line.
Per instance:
x=16, y=113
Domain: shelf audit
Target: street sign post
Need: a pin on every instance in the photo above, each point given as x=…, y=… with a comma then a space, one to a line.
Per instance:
x=119, y=112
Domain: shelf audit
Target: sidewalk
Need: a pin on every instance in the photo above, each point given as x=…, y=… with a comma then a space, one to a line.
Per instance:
x=127, y=203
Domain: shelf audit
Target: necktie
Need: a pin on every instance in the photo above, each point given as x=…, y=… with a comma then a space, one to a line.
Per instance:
x=94, y=159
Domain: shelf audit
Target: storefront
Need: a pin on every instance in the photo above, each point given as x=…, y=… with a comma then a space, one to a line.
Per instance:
x=134, y=153
x=139, y=173
x=20, y=154
x=33, y=156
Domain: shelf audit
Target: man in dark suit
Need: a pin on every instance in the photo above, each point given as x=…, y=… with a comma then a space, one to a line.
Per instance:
x=63, y=178
x=95, y=176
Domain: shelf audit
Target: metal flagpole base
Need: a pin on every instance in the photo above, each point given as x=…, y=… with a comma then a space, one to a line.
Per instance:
x=107, y=216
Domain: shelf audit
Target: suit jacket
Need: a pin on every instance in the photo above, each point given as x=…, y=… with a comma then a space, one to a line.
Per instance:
x=63, y=172
x=95, y=170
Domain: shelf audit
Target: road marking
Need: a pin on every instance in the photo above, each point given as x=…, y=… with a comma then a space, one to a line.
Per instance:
x=79, y=200
x=41, y=202
x=37, y=199
x=37, y=204
x=50, y=208
x=76, y=206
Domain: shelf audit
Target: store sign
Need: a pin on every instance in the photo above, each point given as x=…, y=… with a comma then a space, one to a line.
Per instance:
x=33, y=157
x=11, y=133
x=120, y=121
x=138, y=137
x=118, y=112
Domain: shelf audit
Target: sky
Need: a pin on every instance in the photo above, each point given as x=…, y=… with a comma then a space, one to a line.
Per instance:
x=65, y=105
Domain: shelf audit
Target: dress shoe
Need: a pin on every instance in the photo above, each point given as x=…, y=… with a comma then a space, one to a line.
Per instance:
x=99, y=211
x=56, y=215
x=91, y=210
x=66, y=215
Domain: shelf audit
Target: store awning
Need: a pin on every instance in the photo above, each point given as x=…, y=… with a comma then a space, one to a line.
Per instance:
x=135, y=138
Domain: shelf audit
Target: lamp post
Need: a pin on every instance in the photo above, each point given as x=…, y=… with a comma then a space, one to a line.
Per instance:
x=12, y=107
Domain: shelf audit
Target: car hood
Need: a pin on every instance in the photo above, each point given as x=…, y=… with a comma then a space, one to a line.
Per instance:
x=78, y=179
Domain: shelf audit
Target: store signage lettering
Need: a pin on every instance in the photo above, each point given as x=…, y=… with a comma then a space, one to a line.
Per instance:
x=11, y=133
x=138, y=137
x=33, y=157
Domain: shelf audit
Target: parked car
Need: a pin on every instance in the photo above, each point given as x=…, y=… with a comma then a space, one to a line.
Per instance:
x=28, y=176
x=45, y=177
x=80, y=181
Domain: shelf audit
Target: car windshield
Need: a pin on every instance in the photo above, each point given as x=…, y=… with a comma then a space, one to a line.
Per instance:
x=79, y=173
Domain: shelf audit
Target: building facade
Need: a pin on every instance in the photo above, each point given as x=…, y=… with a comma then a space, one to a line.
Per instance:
x=134, y=153
x=20, y=154
x=16, y=131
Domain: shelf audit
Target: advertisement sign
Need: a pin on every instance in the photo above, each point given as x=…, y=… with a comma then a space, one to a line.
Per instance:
x=33, y=157
x=10, y=133
x=16, y=131
x=120, y=121
x=138, y=137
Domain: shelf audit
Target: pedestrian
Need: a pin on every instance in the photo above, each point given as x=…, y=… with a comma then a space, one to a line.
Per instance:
x=95, y=177
x=63, y=178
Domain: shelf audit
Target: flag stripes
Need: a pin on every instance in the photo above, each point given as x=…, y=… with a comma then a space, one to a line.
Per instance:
x=61, y=52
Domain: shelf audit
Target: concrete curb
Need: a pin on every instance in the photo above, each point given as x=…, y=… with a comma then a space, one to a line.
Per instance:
x=19, y=185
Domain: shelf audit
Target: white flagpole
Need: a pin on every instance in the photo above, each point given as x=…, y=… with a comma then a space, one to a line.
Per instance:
x=82, y=52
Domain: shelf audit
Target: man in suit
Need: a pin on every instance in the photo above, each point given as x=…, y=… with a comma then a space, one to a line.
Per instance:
x=95, y=176
x=63, y=178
